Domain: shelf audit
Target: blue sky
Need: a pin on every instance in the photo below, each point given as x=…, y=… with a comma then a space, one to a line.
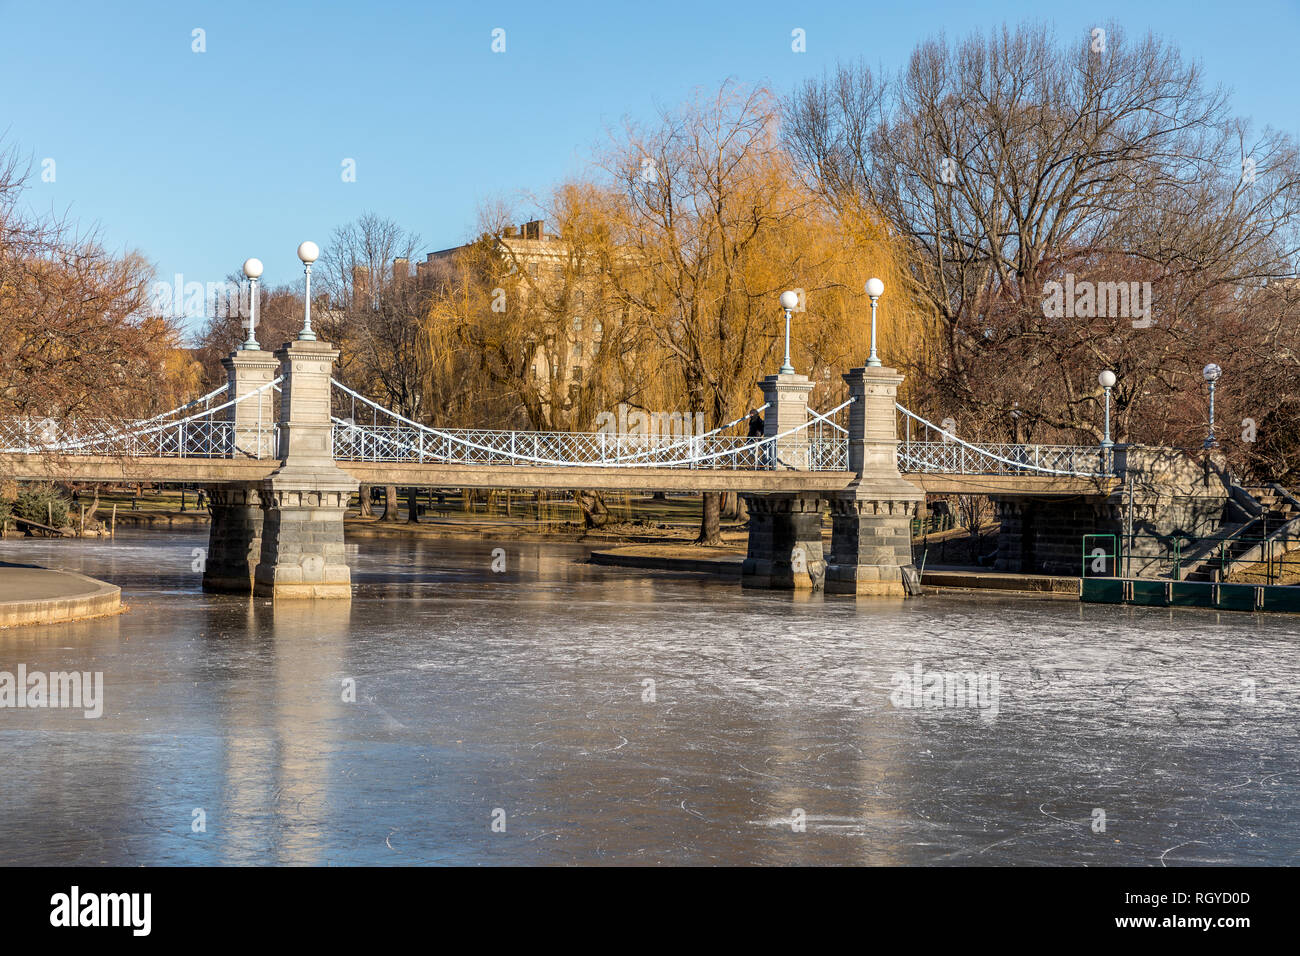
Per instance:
x=200, y=160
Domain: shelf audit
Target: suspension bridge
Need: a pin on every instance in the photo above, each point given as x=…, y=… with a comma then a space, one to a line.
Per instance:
x=283, y=446
x=218, y=438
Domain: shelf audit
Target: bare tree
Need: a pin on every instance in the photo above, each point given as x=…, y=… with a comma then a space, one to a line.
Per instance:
x=1014, y=161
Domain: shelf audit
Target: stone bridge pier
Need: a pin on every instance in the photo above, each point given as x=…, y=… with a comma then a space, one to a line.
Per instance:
x=871, y=521
x=1166, y=494
x=283, y=537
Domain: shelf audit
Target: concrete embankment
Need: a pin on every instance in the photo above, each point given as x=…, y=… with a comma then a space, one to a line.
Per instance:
x=32, y=595
x=723, y=562
x=158, y=520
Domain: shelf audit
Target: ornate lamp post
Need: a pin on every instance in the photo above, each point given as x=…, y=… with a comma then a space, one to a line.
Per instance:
x=875, y=288
x=308, y=252
x=253, y=270
x=789, y=302
x=1212, y=374
x=1107, y=381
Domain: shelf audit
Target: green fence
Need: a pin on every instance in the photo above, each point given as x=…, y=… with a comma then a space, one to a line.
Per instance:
x=1231, y=573
x=1232, y=559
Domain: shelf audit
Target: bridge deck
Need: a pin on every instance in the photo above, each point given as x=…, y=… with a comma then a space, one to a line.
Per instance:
x=220, y=470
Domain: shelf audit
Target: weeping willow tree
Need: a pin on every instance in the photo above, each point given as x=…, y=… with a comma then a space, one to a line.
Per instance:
x=713, y=222
x=659, y=285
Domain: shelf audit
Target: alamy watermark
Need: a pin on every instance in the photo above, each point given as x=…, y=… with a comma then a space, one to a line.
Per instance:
x=64, y=689
x=1084, y=299
x=196, y=300
x=938, y=690
x=127, y=910
x=635, y=423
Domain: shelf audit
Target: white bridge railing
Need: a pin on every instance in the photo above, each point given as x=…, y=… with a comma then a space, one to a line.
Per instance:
x=817, y=445
x=200, y=435
x=952, y=456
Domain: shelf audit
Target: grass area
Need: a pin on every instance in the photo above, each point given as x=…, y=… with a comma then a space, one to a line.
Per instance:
x=1284, y=571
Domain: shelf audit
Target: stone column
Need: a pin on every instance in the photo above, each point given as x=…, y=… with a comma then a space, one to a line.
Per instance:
x=235, y=532
x=234, y=538
x=304, y=500
x=787, y=398
x=871, y=521
x=248, y=370
x=785, y=543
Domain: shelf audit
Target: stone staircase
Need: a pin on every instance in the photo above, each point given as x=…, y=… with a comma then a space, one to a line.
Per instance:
x=1268, y=524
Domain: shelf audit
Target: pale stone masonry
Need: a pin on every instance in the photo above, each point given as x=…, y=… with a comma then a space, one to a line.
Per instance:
x=283, y=536
x=247, y=370
x=871, y=521
x=1174, y=498
x=787, y=397
x=304, y=500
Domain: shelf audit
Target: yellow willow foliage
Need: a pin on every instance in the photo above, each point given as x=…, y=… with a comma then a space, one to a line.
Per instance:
x=722, y=226
x=682, y=272
x=529, y=326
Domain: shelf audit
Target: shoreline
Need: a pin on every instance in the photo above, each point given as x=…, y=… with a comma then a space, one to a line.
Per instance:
x=53, y=596
x=726, y=563
x=639, y=546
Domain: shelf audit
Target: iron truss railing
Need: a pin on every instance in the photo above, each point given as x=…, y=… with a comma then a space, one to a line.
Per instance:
x=200, y=435
x=953, y=456
x=817, y=445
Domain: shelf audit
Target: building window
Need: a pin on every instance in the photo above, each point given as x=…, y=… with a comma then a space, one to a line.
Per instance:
x=577, y=323
x=577, y=373
x=577, y=352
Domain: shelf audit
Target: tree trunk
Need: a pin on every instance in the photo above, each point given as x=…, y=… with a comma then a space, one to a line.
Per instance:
x=88, y=520
x=595, y=514
x=730, y=508
x=710, y=521
x=363, y=502
x=390, y=503
x=412, y=505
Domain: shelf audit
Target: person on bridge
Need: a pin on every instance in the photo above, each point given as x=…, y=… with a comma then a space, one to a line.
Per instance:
x=755, y=424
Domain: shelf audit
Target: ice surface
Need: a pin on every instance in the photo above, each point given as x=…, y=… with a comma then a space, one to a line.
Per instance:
x=525, y=692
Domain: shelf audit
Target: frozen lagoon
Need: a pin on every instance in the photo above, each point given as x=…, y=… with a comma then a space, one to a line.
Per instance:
x=522, y=697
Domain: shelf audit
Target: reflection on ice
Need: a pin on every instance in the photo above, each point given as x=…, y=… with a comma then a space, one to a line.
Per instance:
x=615, y=716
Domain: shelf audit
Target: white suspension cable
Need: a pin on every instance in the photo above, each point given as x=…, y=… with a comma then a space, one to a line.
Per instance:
x=180, y=408
x=988, y=454
x=128, y=432
x=685, y=443
x=826, y=418
x=620, y=462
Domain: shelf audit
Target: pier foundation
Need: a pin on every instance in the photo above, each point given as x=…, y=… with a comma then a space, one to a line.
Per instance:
x=785, y=543
x=234, y=538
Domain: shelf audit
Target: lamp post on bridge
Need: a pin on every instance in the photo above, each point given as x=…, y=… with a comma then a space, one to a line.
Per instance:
x=1212, y=374
x=789, y=302
x=875, y=289
x=253, y=270
x=1107, y=381
x=308, y=252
